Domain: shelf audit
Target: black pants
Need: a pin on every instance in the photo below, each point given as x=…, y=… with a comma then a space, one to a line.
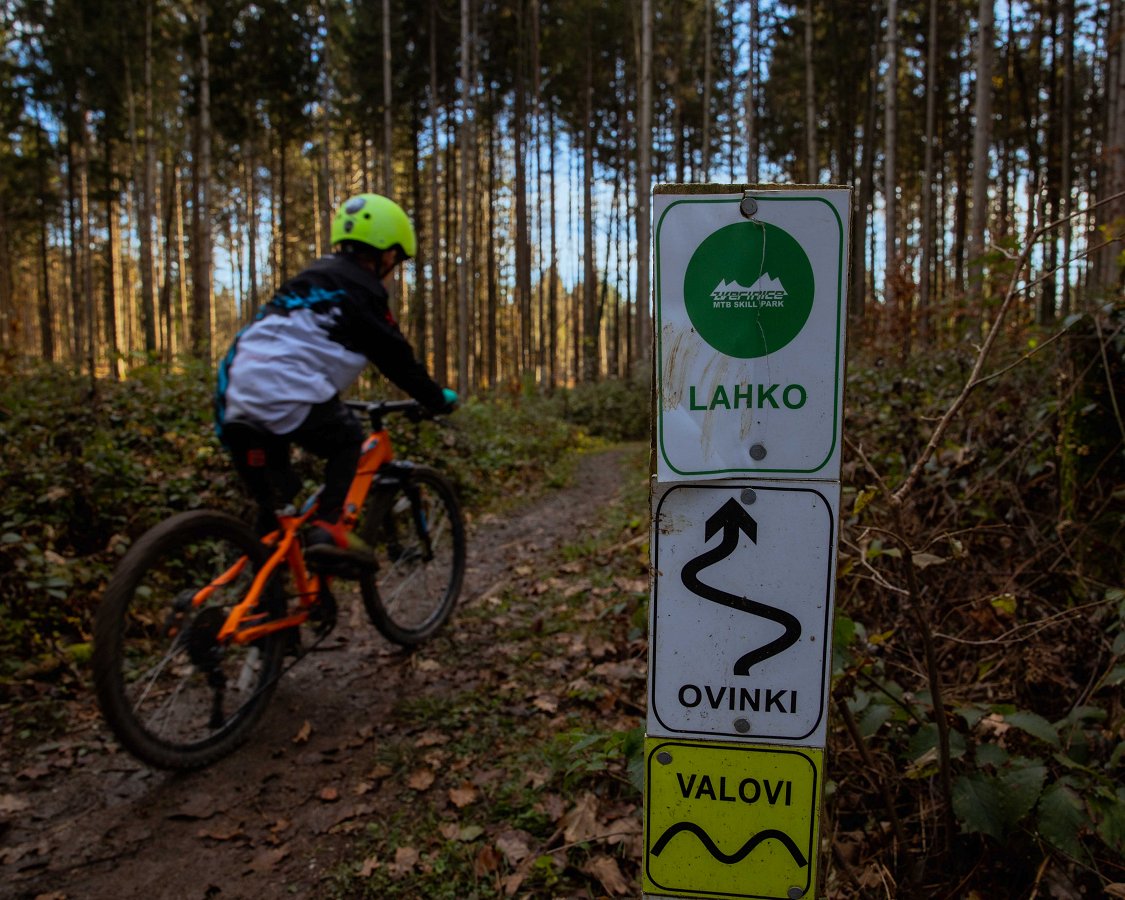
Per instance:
x=261, y=458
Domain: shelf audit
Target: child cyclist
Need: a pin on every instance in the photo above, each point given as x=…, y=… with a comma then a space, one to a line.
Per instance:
x=280, y=382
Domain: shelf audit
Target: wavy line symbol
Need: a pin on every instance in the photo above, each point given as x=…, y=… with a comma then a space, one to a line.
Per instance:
x=730, y=858
x=732, y=518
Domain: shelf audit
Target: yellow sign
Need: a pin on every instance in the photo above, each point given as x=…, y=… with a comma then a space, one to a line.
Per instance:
x=731, y=820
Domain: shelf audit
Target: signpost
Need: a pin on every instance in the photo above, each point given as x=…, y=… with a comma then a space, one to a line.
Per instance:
x=750, y=312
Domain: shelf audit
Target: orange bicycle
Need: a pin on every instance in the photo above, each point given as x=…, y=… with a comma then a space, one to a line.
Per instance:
x=196, y=622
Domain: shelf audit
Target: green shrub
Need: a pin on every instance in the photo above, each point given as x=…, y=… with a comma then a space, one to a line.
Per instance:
x=86, y=473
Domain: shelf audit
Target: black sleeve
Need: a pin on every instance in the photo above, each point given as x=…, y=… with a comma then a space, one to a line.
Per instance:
x=367, y=326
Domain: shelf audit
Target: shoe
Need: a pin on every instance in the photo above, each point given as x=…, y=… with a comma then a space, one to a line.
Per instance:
x=329, y=545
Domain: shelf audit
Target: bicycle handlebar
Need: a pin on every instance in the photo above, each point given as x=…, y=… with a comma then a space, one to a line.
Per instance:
x=376, y=409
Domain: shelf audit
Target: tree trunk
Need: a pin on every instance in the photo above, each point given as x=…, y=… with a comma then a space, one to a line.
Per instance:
x=521, y=237
x=812, y=165
x=982, y=140
x=1107, y=273
x=466, y=139
x=202, y=308
x=890, y=176
x=46, y=315
x=111, y=321
x=928, y=175
x=706, y=136
x=147, y=197
x=1067, y=126
x=643, y=353
x=553, y=284
x=86, y=249
x=489, y=338
x=589, y=285
x=422, y=256
x=437, y=282
x=326, y=194
x=751, y=98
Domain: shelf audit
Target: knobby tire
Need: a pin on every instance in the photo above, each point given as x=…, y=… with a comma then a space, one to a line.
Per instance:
x=172, y=695
x=414, y=522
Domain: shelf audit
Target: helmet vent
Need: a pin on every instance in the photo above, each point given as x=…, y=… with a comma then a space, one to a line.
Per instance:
x=355, y=205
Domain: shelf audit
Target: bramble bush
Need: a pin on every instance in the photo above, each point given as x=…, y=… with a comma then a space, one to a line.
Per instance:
x=86, y=472
x=1007, y=557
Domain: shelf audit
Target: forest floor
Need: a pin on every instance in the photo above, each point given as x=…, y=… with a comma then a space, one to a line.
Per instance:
x=287, y=813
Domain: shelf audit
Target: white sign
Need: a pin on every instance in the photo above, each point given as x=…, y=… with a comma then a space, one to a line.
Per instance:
x=750, y=332
x=740, y=620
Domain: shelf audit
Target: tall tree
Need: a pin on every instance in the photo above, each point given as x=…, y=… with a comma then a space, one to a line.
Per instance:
x=890, y=144
x=202, y=317
x=811, y=163
x=644, y=185
x=982, y=141
x=928, y=171
x=467, y=139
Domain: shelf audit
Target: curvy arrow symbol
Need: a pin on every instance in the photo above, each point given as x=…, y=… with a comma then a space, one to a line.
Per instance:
x=732, y=518
x=741, y=853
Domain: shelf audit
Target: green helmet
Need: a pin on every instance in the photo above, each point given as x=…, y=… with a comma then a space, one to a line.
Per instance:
x=374, y=220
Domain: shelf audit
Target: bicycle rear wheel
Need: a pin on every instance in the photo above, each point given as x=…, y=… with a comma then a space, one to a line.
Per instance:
x=172, y=694
x=413, y=521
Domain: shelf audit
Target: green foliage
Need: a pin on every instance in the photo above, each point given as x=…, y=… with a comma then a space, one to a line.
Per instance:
x=1014, y=541
x=617, y=410
x=86, y=473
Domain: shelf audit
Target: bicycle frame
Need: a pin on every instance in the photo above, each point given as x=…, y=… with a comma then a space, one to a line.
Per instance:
x=242, y=625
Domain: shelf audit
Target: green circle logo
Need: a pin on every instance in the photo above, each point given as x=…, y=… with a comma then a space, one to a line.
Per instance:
x=749, y=289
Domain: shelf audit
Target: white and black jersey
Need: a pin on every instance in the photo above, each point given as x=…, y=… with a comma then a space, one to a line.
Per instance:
x=310, y=342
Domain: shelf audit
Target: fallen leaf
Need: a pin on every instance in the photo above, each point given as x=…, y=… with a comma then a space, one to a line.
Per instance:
x=428, y=665
x=606, y=870
x=514, y=845
x=546, y=703
x=1115, y=890
x=431, y=739
x=463, y=796
x=406, y=858
x=380, y=772
x=303, y=734
x=329, y=795
x=200, y=806
x=553, y=805
x=580, y=824
x=421, y=779
x=9, y=855
x=487, y=860
x=267, y=861
x=217, y=834
x=369, y=866
x=10, y=803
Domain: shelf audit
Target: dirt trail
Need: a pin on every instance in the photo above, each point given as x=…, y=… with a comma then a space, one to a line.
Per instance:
x=81, y=820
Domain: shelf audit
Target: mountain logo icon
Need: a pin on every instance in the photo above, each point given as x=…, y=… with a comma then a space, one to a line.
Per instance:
x=766, y=291
x=749, y=289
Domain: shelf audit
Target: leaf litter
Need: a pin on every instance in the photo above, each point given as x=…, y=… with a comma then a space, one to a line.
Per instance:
x=341, y=731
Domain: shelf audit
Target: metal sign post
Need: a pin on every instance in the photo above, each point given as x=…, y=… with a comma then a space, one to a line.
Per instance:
x=750, y=312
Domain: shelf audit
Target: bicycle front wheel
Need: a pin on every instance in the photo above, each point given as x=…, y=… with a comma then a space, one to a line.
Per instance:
x=413, y=521
x=174, y=695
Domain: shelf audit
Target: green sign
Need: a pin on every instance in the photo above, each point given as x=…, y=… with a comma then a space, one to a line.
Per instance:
x=731, y=820
x=749, y=289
